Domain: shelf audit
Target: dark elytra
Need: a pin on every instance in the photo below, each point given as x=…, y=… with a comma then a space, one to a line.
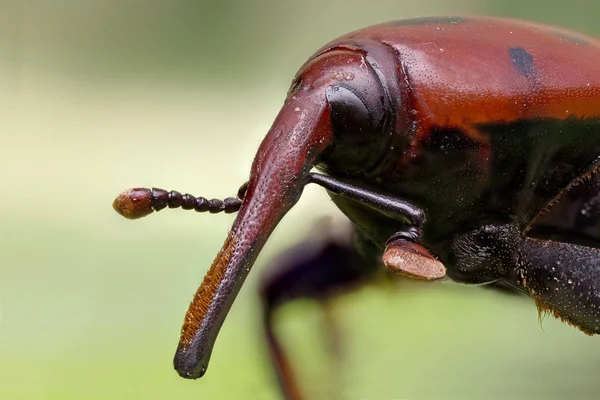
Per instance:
x=466, y=146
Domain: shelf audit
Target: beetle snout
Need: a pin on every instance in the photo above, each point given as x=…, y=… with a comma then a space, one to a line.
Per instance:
x=189, y=367
x=279, y=171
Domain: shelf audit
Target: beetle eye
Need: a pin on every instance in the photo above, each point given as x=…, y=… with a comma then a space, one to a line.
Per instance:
x=358, y=138
x=350, y=117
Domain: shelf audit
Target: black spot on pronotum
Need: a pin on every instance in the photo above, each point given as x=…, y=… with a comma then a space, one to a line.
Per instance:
x=522, y=61
x=427, y=21
x=571, y=38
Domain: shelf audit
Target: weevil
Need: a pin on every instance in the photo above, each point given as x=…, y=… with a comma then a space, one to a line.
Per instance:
x=459, y=147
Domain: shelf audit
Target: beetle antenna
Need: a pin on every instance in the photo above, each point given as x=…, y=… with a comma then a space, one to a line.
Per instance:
x=242, y=191
x=138, y=202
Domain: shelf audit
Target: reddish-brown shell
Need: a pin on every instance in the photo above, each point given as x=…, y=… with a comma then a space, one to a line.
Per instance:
x=462, y=72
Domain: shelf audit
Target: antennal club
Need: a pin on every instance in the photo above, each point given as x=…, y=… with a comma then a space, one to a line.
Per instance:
x=138, y=202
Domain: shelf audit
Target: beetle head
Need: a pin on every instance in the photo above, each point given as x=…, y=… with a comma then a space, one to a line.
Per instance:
x=333, y=115
x=359, y=108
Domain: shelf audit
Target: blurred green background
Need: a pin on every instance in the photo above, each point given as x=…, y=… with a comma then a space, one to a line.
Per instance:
x=99, y=96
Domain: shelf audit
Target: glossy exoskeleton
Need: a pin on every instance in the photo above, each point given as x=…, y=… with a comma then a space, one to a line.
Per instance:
x=459, y=146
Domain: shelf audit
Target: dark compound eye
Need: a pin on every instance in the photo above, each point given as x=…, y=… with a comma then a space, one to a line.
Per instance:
x=350, y=117
x=359, y=139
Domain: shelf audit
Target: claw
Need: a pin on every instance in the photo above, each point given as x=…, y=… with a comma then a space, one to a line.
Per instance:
x=412, y=260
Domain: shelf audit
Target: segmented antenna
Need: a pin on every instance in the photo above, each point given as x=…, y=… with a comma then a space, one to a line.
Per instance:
x=138, y=202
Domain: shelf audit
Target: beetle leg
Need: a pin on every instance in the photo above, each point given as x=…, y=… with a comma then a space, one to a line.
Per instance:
x=575, y=216
x=411, y=259
x=392, y=207
x=312, y=271
x=563, y=278
x=403, y=253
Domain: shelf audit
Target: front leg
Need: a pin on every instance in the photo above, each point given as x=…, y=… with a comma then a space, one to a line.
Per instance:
x=563, y=278
x=403, y=252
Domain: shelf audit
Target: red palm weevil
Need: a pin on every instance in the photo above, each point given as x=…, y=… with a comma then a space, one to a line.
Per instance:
x=466, y=147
